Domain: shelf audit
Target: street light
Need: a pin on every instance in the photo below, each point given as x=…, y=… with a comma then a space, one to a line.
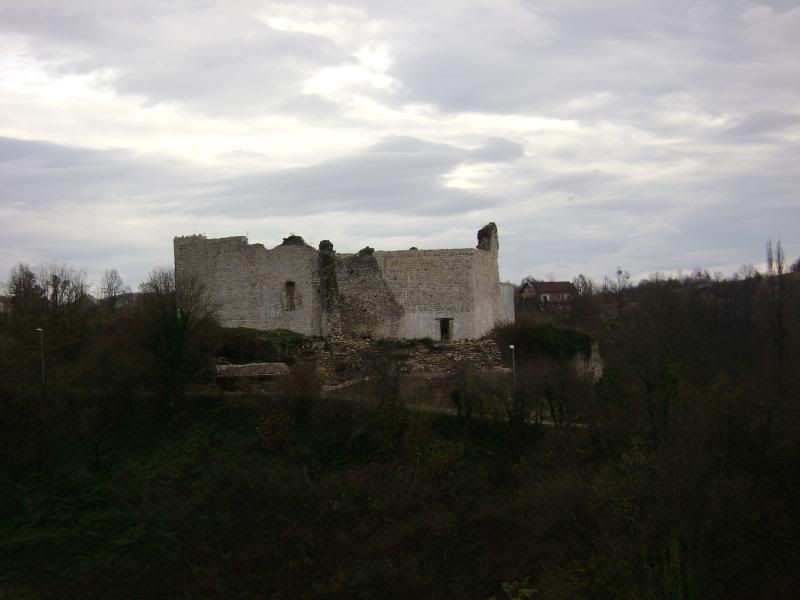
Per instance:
x=41, y=345
x=513, y=367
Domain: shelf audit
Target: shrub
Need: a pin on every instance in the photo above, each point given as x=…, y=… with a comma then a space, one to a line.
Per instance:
x=241, y=345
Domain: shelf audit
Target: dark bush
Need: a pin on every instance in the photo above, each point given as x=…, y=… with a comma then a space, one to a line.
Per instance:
x=241, y=345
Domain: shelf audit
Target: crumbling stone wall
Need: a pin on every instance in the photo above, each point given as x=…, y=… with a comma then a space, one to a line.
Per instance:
x=486, y=283
x=367, y=306
x=507, y=298
x=404, y=294
x=252, y=286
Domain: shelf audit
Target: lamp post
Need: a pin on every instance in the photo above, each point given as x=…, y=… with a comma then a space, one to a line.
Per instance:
x=41, y=346
x=513, y=368
x=515, y=416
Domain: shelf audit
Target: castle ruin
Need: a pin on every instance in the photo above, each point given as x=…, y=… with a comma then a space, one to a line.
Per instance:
x=439, y=294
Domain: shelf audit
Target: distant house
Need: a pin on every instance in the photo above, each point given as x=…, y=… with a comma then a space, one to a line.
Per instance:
x=546, y=295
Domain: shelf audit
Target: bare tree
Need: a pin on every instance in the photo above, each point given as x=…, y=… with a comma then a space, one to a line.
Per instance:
x=746, y=272
x=178, y=317
x=186, y=297
x=111, y=287
x=584, y=285
x=62, y=285
x=160, y=281
x=776, y=296
x=585, y=307
x=24, y=288
x=776, y=293
x=617, y=287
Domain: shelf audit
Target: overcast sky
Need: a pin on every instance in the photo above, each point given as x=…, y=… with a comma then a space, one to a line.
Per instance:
x=655, y=135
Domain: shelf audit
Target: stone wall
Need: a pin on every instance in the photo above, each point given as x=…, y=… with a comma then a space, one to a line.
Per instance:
x=367, y=306
x=252, y=286
x=507, y=299
x=486, y=282
x=403, y=294
x=431, y=285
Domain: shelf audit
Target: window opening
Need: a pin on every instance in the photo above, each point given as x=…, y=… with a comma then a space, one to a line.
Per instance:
x=290, y=295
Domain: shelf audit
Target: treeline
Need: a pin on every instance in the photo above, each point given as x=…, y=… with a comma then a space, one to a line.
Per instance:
x=700, y=401
x=675, y=475
x=692, y=486
x=679, y=472
x=72, y=365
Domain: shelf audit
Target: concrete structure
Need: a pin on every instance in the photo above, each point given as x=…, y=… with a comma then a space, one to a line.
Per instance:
x=441, y=294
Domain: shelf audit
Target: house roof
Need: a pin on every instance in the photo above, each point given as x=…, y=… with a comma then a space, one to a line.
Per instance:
x=550, y=287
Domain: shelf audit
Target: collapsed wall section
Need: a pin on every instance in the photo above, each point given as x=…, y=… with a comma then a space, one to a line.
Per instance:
x=367, y=306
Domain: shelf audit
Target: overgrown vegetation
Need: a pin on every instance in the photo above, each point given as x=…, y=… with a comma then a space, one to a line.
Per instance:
x=677, y=475
x=534, y=340
x=241, y=345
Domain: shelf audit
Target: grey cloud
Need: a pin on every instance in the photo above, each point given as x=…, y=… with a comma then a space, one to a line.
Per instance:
x=762, y=125
x=230, y=76
x=396, y=175
x=576, y=183
x=716, y=214
x=204, y=56
x=541, y=57
x=46, y=175
x=499, y=150
x=648, y=59
x=44, y=154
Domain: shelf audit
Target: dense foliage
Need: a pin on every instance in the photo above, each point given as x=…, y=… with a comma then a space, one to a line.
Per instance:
x=241, y=345
x=533, y=340
x=677, y=475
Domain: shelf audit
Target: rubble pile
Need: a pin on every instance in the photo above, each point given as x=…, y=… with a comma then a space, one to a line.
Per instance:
x=447, y=357
x=344, y=358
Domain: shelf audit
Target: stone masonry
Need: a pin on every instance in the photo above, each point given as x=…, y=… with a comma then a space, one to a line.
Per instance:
x=439, y=294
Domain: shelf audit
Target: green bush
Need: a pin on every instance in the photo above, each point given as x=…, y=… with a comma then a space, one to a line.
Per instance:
x=241, y=345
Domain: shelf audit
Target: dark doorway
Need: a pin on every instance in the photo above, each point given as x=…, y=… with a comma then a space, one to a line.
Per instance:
x=446, y=329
